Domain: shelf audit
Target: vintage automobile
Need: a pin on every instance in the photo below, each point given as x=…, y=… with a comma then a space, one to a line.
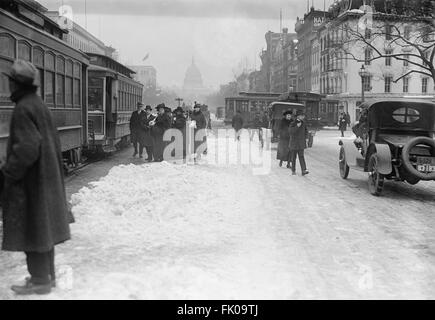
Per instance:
x=395, y=141
x=276, y=110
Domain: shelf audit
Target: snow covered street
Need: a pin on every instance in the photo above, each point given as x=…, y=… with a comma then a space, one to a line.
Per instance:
x=212, y=231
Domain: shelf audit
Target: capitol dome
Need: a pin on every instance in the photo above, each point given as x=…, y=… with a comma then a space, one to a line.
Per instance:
x=193, y=78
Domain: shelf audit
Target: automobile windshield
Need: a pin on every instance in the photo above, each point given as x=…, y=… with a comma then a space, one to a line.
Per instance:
x=404, y=115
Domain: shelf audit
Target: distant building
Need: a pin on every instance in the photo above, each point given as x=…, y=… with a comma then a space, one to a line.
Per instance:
x=147, y=75
x=81, y=39
x=193, y=86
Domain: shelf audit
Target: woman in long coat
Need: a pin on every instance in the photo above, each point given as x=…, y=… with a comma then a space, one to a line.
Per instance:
x=35, y=212
x=283, y=153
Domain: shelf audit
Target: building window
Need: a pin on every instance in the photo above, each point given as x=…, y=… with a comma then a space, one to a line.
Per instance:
x=407, y=32
x=367, y=56
x=367, y=83
x=387, y=86
x=388, y=32
x=424, y=85
x=24, y=50
x=388, y=58
x=60, y=90
x=49, y=87
x=405, y=84
x=367, y=33
x=7, y=46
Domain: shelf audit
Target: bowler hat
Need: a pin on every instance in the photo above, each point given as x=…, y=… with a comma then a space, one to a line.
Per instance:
x=23, y=72
x=287, y=112
x=160, y=106
x=148, y=107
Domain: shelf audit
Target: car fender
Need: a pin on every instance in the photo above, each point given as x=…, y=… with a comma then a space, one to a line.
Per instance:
x=351, y=152
x=383, y=153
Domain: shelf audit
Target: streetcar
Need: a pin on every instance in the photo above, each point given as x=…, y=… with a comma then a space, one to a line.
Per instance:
x=112, y=96
x=26, y=33
x=248, y=103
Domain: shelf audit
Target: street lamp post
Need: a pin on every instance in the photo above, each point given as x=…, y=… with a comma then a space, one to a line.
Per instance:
x=363, y=73
x=179, y=101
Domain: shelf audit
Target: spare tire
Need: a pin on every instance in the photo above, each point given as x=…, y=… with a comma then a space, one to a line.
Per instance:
x=407, y=163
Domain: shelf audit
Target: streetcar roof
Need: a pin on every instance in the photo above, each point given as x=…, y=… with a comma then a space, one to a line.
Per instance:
x=287, y=104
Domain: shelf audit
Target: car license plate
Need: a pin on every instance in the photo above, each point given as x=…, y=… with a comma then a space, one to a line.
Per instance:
x=425, y=168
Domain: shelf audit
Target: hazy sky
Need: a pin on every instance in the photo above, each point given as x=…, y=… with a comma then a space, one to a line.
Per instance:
x=219, y=34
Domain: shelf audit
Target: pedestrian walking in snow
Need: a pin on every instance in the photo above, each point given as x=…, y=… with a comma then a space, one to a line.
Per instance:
x=237, y=124
x=159, y=126
x=145, y=137
x=283, y=153
x=180, y=124
x=342, y=123
x=135, y=127
x=200, y=136
x=35, y=212
x=298, y=142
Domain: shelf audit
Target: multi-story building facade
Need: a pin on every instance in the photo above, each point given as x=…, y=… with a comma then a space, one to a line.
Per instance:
x=306, y=30
x=279, y=61
x=342, y=57
x=81, y=39
x=147, y=75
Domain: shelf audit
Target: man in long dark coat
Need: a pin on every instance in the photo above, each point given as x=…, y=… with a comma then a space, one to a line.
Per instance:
x=199, y=132
x=283, y=153
x=135, y=128
x=237, y=123
x=35, y=213
x=144, y=133
x=298, y=142
x=160, y=125
x=180, y=124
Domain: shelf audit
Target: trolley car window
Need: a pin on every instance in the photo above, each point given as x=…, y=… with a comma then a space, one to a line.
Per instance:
x=38, y=57
x=4, y=82
x=69, y=68
x=60, y=65
x=24, y=51
x=68, y=91
x=7, y=46
x=49, y=87
x=49, y=61
x=95, y=94
x=77, y=93
x=60, y=90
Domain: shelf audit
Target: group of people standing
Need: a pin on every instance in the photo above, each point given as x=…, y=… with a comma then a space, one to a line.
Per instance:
x=293, y=135
x=147, y=130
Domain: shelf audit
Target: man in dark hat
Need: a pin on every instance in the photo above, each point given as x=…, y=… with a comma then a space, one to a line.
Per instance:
x=35, y=212
x=199, y=134
x=145, y=137
x=161, y=124
x=180, y=124
x=298, y=142
x=135, y=128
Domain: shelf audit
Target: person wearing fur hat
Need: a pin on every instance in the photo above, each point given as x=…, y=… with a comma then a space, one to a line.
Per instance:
x=283, y=153
x=161, y=124
x=35, y=210
x=298, y=142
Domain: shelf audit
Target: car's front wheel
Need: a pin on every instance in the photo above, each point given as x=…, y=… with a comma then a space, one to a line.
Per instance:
x=376, y=179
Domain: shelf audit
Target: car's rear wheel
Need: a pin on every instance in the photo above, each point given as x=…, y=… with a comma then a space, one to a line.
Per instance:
x=406, y=154
x=376, y=179
x=342, y=164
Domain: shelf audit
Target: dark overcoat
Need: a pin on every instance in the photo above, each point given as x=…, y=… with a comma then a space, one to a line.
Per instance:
x=284, y=137
x=201, y=124
x=162, y=123
x=180, y=124
x=342, y=122
x=237, y=122
x=298, y=136
x=144, y=131
x=35, y=213
x=134, y=126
